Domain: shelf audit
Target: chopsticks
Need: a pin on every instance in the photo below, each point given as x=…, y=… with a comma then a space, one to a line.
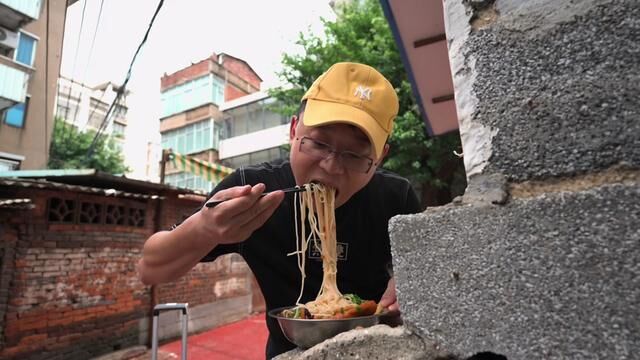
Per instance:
x=294, y=189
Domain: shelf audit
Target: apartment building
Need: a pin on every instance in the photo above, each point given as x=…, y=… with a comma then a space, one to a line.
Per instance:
x=85, y=107
x=190, y=120
x=31, y=33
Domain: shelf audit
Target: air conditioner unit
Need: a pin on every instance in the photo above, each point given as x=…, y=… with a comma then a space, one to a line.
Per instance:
x=8, y=38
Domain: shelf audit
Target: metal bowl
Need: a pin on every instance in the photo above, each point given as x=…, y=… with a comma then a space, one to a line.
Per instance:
x=306, y=333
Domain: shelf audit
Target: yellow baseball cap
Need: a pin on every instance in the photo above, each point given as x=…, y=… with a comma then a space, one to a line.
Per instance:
x=355, y=94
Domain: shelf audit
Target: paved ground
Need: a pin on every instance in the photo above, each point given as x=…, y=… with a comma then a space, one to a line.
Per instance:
x=242, y=340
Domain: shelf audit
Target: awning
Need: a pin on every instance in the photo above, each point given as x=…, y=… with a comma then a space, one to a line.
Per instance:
x=419, y=31
x=213, y=172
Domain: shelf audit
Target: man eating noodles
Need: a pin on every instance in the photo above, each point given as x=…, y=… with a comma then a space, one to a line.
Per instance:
x=338, y=139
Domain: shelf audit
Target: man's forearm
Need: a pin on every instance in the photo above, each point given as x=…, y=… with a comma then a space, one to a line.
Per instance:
x=168, y=255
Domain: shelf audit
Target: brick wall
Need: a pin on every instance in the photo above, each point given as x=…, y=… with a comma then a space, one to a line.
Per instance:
x=74, y=291
x=239, y=78
x=242, y=70
x=69, y=287
x=188, y=73
x=232, y=92
x=9, y=227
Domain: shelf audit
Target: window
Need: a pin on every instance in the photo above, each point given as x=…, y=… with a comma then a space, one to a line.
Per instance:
x=26, y=51
x=197, y=92
x=16, y=115
x=189, y=181
x=97, y=112
x=118, y=130
x=257, y=157
x=251, y=118
x=67, y=112
x=196, y=137
x=119, y=113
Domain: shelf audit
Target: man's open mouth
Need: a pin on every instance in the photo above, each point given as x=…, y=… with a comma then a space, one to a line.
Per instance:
x=326, y=185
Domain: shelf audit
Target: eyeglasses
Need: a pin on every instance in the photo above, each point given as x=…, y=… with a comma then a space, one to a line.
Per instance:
x=348, y=159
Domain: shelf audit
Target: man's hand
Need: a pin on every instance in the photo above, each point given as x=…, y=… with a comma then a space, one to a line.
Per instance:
x=243, y=211
x=389, y=300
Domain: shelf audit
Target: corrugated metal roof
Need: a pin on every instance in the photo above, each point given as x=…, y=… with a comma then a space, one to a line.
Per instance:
x=48, y=185
x=15, y=203
x=92, y=178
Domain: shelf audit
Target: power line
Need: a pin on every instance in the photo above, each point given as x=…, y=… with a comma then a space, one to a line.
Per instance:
x=75, y=57
x=93, y=41
x=122, y=88
x=84, y=74
x=65, y=129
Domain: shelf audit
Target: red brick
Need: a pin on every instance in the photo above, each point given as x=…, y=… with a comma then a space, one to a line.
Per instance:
x=33, y=339
x=32, y=325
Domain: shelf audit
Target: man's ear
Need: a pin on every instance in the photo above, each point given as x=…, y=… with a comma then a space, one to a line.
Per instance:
x=385, y=151
x=292, y=128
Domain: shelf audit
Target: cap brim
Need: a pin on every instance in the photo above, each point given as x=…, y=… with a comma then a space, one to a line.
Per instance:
x=318, y=112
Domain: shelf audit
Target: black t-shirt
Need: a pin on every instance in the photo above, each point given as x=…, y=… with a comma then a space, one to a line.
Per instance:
x=362, y=235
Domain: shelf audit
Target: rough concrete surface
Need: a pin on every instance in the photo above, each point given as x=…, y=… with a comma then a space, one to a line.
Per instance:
x=376, y=342
x=554, y=86
x=550, y=277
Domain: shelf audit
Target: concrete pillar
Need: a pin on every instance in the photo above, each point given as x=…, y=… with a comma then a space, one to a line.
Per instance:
x=540, y=259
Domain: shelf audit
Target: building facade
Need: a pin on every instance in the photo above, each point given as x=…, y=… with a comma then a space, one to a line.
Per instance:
x=85, y=108
x=31, y=33
x=205, y=106
x=252, y=132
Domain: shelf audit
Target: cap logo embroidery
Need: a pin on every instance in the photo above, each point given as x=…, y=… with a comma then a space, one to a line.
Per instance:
x=363, y=92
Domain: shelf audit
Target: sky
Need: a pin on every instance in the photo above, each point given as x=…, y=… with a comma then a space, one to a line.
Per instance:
x=184, y=32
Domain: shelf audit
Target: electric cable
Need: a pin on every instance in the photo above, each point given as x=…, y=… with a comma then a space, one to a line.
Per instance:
x=93, y=41
x=65, y=129
x=122, y=88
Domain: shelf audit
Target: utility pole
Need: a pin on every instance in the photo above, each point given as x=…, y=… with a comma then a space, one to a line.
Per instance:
x=163, y=163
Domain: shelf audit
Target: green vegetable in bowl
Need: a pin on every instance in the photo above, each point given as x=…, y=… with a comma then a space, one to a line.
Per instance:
x=353, y=298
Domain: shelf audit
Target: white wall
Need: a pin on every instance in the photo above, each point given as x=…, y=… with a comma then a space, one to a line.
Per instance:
x=256, y=141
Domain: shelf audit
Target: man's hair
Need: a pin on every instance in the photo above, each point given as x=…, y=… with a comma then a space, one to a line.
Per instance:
x=303, y=104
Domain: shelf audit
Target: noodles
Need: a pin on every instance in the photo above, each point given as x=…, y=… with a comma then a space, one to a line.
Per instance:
x=317, y=205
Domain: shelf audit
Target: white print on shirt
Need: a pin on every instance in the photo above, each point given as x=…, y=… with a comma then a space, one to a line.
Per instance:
x=341, y=250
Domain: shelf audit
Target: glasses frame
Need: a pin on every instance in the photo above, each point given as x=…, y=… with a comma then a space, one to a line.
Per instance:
x=338, y=154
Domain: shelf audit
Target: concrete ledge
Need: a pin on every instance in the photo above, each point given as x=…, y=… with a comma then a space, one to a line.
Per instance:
x=553, y=276
x=376, y=342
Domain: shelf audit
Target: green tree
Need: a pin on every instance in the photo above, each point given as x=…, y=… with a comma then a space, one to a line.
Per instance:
x=361, y=33
x=70, y=147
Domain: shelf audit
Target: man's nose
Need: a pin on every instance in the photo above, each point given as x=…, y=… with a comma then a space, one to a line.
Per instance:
x=331, y=164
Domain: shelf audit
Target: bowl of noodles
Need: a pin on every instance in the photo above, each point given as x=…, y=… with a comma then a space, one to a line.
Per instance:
x=305, y=330
x=331, y=312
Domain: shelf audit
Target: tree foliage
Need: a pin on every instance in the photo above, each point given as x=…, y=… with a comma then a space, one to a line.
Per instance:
x=70, y=147
x=361, y=33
